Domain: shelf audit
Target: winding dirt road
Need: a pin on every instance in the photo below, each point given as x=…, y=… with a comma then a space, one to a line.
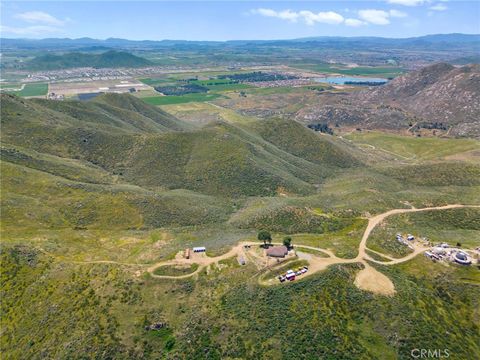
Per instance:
x=367, y=279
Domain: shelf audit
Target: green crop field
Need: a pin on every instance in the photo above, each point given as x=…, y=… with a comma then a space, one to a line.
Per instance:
x=167, y=100
x=155, y=81
x=212, y=82
x=10, y=86
x=32, y=90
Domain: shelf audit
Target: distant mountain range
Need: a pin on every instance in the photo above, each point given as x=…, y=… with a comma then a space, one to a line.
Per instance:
x=108, y=59
x=429, y=40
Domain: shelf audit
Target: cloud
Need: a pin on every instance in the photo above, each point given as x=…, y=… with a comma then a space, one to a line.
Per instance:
x=40, y=17
x=328, y=17
x=354, y=22
x=372, y=16
x=408, y=2
x=309, y=17
x=35, y=30
x=377, y=17
x=285, y=14
x=397, y=14
x=438, y=7
x=380, y=17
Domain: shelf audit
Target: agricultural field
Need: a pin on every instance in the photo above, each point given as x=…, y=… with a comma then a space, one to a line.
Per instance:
x=30, y=90
x=168, y=100
x=10, y=86
x=157, y=81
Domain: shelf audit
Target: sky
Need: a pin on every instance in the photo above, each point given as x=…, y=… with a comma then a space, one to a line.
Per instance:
x=236, y=20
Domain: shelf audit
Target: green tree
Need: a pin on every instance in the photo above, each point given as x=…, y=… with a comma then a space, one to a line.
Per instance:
x=265, y=236
x=170, y=343
x=287, y=241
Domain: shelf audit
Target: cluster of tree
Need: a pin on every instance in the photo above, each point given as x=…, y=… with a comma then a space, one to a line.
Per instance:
x=181, y=89
x=435, y=125
x=257, y=76
x=189, y=79
x=316, y=88
x=266, y=237
x=323, y=128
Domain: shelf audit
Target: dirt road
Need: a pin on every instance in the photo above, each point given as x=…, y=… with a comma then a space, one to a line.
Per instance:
x=368, y=278
x=374, y=221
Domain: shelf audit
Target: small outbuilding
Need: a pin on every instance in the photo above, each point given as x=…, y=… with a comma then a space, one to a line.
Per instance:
x=277, y=251
x=199, y=249
x=462, y=258
x=438, y=250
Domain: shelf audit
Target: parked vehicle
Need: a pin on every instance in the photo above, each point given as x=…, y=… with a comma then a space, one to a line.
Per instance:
x=290, y=275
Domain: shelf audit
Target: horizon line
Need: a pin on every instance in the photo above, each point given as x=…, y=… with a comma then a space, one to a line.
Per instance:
x=232, y=40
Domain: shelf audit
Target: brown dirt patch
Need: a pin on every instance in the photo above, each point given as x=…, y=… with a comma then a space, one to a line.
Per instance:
x=370, y=279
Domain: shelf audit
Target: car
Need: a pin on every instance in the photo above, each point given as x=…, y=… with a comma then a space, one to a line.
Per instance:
x=281, y=278
x=298, y=273
x=290, y=277
x=303, y=271
x=305, y=267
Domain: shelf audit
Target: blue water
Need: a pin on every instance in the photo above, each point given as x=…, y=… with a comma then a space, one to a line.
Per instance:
x=340, y=80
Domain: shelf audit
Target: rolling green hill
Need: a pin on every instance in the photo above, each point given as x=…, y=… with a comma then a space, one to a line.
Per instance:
x=109, y=59
x=148, y=147
x=317, y=149
x=34, y=199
